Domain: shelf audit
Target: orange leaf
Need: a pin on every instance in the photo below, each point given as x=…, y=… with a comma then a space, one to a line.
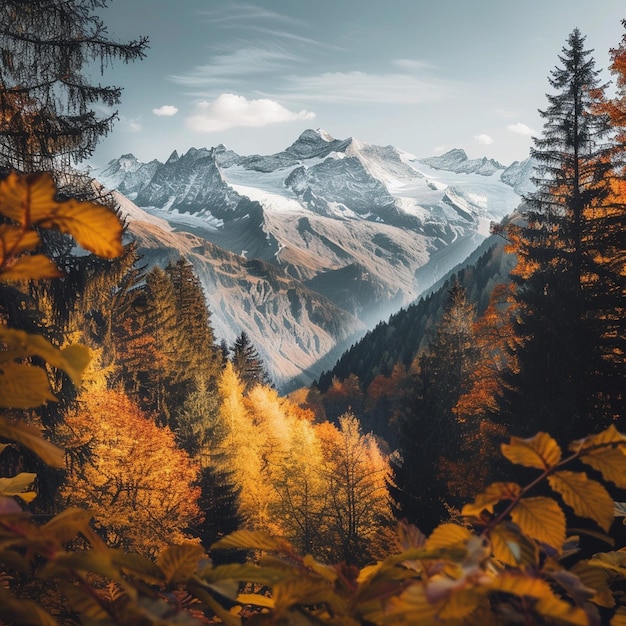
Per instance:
x=27, y=267
x=14, y=240
x=542, y=519
x=511, y=547
x=493, y=494
x=446, y=535
x=587, y=497
x=95, y=227
x=610, y=462
x=30, y=200
x=540, y=451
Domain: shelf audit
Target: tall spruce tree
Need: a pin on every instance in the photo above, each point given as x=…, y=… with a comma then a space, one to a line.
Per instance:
x=49, y=108
x=247, y=363
x=205, y=360
x=428, y=427
x=566, y=380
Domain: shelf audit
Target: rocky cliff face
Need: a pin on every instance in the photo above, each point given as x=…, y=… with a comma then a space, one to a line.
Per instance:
x=365, y=228
x=296, y=330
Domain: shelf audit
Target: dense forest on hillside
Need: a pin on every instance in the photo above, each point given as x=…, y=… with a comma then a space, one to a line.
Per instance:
x=459, y=465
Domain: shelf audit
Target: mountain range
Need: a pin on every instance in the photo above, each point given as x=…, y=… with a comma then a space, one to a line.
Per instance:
x=307, y=248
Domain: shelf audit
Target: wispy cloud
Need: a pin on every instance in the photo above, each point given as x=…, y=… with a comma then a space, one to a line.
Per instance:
x=167, y=110
x=249, y=61
x=129, y=125
x=364, y=87
x=522, y=129
x=412, y=64
x=240, y=13
x=483, y=139
x=230, y=110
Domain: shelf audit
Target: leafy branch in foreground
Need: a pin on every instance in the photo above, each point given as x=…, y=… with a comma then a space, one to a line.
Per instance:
x=502, y=566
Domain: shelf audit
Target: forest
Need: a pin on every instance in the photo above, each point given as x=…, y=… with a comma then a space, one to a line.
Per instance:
x=462, y=464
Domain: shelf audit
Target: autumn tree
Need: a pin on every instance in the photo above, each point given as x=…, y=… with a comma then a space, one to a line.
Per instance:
x=569, y=297
x=358, y=506
x=50, y=112
x=292, y=465
x=138, y=484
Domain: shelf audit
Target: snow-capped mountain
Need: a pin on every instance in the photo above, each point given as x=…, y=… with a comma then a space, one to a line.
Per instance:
x=297, y=331
x=367, y=227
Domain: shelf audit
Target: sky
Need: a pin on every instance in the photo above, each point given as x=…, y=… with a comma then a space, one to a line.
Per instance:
x=425, y=76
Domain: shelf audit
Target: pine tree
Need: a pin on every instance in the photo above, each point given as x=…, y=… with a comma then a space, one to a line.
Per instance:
x=48, y=108
x=428, y=427
x=205, y=361
x=564, y=380
x=247, y=363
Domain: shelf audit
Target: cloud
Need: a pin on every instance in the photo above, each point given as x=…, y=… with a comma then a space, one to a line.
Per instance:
x=412, y=64
x=486, y=140
x=230, y=110
x=249, y=61
x=521, y=129
x=167, y=110
x=129, y=125
x=362, y=87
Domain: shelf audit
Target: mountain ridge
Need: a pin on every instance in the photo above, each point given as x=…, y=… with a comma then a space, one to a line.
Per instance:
x=367, y=227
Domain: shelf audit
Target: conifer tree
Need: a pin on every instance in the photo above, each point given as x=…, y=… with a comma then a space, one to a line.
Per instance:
x=247, y=363
x=428, y=427
x=567, y=378
x=195, y=317
x=49, y=109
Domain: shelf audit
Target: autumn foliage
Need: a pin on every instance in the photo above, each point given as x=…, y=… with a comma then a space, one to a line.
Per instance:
x=129, y=473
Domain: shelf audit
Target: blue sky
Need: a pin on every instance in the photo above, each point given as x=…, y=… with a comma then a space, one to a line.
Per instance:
x=425, y=76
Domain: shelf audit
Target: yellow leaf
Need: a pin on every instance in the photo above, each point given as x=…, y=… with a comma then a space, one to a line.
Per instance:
x=23, y=386
x=587, y=497
x=138, y=566
x=14, y=196
x=255, y=599
x=68, y=524
x=72, y=360
x=511, y=547
x=411, y=607
x=560, y=611
x=95, y=227
x=27, y=267
x=447, y=535
x=178, y=563
x=610, y=462
x=252, y=540
x=540, y=451
x=86, y=605
x=298, y=591
x=597, y=578
x=548, y=604
x=493, y=494
x=31, y=200
x=14, y=240
x=29, y=437
x=542, y=519
x=18, y=486
x=608, y=436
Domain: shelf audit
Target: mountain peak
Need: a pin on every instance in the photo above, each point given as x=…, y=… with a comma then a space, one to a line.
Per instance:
x=173, y=157
x=311, y=143
x=456, y=160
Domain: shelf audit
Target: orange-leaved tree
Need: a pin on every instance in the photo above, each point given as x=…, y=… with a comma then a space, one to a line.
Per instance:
x=139, y=486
